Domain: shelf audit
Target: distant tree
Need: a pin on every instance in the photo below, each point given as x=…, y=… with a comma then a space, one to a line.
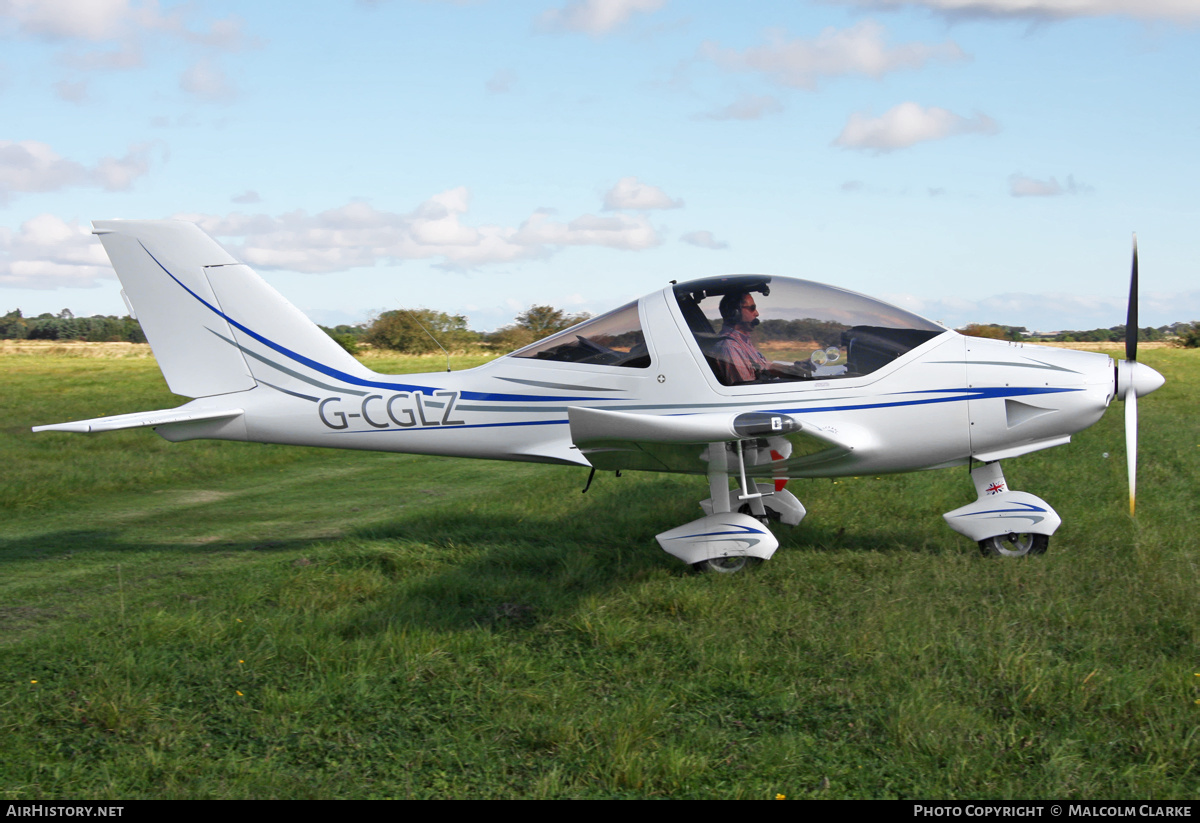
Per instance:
x=13, y=326
x=133, y=331
x=1189, y=334
x=347, y=341
x=356, y=331
x=102, y=329
x=348, y=337
x=405, y=331
x=510, y=338
x=807, y=330
x=992, y=331
x=48, y=327
x=544, y=321
x=1100, y=335
x=1117, y=334
x=532, y=325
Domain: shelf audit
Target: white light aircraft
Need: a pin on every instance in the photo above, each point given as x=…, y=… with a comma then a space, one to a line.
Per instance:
x=832, y=383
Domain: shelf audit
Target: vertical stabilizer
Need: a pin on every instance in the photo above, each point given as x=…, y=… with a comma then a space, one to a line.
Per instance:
x=215, y=326
x=161, y=267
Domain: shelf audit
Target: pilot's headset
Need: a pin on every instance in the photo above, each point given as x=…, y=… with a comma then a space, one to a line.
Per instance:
x=731, y=308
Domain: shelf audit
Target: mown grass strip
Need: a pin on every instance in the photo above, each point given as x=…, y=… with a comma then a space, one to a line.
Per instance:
x=233, y=620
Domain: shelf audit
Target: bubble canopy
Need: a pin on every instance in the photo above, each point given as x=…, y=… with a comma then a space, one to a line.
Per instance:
x=796, y=329
x=805, y=330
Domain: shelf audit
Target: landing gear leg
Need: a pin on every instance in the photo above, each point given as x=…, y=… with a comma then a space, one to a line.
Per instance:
x=718, y=478
x=724, y=540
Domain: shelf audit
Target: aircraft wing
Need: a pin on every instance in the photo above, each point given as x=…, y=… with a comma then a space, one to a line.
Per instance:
x=679, y=442
x=137, y=420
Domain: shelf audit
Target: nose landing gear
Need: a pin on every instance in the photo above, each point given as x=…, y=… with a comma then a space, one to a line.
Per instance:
x=1005, y=523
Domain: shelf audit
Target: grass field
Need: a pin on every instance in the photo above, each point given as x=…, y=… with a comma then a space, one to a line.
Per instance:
x=231, y=620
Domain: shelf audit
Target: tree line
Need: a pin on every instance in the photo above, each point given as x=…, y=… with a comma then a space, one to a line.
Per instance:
x=66, y=326
x=400, y=330
x=414, y=331
x=1186, y=334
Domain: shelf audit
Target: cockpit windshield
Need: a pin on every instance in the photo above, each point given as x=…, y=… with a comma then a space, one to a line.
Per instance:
x=613, y=339
x=755, y=329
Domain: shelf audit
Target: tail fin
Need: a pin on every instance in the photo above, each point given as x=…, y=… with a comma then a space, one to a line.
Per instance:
x=215, y=326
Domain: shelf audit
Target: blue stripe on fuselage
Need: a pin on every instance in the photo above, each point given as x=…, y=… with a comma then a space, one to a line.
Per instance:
x=347, y=378
x=959, y=395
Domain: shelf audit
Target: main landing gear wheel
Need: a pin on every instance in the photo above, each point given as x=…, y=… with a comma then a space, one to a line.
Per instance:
x=1014, y=545
x=726, y=565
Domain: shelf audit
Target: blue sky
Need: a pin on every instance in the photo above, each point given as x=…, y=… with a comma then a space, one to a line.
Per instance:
x=971, y=160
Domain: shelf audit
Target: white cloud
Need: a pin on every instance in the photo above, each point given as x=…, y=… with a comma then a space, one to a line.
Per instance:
x=114, y=174
x=596, y=17
x=619, y=232
x=908, y=124
x=72, y=92
x=1180, y=10
x=92, y=20
x=107, y=35
x=127, y=55
x=246, y=198
x=746, y=107
x=49, y=253
x=32, y=166
x=704, y=239
x=206, y=80
x=358, y=235
x=98, y=21
x=858, y=50
x=628, y=193
x=224, y=35
x=501, y=81
x=1021, y=186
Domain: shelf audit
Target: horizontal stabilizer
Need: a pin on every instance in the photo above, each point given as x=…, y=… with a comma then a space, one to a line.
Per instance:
x=137, y=420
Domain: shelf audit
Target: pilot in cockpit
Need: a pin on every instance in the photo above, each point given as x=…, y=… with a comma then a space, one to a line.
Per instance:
x=738, y=360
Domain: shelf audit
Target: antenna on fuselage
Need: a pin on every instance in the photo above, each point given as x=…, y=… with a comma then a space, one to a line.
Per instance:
x=431, y=337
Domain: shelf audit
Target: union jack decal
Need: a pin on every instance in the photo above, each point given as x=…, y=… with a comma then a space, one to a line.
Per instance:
x=995, y=488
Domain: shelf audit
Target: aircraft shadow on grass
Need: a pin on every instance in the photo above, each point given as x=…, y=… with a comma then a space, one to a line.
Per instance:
x=451, y=572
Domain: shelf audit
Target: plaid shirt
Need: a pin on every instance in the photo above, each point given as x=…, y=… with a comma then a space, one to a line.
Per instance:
x=738, y=361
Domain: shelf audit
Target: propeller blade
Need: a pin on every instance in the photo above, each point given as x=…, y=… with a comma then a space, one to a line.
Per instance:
x=1131, y=432
x=1131, y=318
x=1131, y=372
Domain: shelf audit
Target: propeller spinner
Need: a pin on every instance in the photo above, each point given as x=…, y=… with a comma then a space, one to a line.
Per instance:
x=1136, y=376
